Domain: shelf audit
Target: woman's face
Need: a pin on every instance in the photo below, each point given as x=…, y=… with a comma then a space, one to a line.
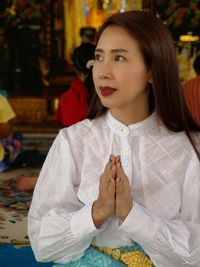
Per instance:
x=119, y=73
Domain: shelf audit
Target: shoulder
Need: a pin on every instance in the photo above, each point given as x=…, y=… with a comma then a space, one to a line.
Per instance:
x=84, y=130
x=174, y=143
x=192, y=84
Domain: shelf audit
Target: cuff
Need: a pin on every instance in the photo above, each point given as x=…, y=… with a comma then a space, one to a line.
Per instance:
x=140, y=225
x=82, y=223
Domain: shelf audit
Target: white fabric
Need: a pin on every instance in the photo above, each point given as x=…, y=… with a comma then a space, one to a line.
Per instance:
x=164, y=173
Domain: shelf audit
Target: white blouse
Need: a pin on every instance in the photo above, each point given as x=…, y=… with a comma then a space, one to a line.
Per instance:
x=164, y=174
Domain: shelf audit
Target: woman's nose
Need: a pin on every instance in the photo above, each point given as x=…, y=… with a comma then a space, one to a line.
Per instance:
x=105, y=76
x=105, y=72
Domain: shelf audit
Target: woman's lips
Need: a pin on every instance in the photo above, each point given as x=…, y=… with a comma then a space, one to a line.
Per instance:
x=106, y=90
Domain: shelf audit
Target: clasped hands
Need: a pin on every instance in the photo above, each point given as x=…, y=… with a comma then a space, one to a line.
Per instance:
x=115, y=197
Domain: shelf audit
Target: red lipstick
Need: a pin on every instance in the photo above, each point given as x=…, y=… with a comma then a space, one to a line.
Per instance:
x=106, y=90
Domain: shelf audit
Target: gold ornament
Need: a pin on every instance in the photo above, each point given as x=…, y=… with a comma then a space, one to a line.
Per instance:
x=2, y=152
x=131, y=259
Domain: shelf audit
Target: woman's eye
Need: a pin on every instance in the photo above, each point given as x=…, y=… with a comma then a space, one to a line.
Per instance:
x=119, y=58
x=97, y=57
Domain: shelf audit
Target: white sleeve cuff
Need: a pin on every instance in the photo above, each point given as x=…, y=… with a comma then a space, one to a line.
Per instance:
x=82, y=223
x=140, y=225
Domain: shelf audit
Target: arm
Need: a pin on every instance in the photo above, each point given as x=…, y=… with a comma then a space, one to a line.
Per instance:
x=170, y=242
x=60, y=227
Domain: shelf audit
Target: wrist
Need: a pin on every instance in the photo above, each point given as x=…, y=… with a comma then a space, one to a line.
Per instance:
x=124, y=214
x=98, y=215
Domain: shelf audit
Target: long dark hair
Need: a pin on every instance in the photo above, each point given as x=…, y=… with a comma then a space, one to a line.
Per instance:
x=158, y=50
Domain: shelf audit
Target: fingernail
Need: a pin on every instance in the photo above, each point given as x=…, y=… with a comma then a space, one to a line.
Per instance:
x=110, y=158
x=118, y=164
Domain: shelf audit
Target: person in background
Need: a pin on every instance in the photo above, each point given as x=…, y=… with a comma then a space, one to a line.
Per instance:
x=88, y=35
x=122, y=187
x=73, y=104
x=191, y=90
x=10, y=143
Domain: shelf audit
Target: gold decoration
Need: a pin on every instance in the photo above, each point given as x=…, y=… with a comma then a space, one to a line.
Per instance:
x=30, y=110
x=131, y=259
x=74, y=19
x=2, y=152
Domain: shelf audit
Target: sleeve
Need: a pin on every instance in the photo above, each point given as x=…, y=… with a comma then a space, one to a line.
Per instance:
x=6, y=111
x=60, y=227
x=170, y=242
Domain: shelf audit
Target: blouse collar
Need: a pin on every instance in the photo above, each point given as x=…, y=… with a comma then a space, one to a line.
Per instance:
x=139, y=128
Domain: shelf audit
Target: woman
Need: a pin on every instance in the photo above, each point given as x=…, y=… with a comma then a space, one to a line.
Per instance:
x=128, y=177
x=10, y=142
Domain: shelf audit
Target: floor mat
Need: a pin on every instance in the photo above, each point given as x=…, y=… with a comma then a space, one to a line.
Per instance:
x=14, y=205
x=12, y=256
x=15, y=249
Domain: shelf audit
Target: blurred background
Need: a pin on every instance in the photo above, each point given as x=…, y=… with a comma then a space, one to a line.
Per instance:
x=37, y=38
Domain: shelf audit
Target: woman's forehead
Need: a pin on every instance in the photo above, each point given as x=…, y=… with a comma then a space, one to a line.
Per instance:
x=116, y=38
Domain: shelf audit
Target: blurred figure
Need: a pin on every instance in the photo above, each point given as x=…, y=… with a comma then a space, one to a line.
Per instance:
x=10, y=143
x=191, y=90
x=73, y=104
x=88, y=34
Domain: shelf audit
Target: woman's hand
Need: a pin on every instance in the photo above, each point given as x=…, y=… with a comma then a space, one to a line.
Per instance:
x=104, y=206
x=124, y=201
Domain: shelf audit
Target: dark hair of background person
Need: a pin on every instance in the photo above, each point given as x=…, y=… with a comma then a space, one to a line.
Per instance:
x=158, y=50
x=196, y=65
x=81, y=55
x=88, y=34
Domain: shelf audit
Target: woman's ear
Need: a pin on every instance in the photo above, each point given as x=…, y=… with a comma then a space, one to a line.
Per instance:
x=150, y=77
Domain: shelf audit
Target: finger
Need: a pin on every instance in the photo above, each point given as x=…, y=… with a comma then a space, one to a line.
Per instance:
x=111, y=185
x=117, y=159
x=109, y=171
x=113, y=172
x=112, y=159
x=118, y=186
x=118, y=171
x=118, y=167
x=109, y=164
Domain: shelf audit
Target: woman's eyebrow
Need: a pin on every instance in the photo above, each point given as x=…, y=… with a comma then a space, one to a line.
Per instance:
x=118, y=50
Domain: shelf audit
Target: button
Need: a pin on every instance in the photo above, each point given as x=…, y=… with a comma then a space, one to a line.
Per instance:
x=124, y=130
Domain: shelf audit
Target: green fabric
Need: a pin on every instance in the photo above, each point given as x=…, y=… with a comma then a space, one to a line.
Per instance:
x=94, y=258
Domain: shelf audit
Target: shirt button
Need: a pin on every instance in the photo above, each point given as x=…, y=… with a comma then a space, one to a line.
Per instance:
x=124, y=130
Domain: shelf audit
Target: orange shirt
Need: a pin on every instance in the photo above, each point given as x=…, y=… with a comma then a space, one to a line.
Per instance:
x=191, y=91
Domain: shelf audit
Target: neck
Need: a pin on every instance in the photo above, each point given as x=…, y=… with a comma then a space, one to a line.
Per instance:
x=129, y=118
